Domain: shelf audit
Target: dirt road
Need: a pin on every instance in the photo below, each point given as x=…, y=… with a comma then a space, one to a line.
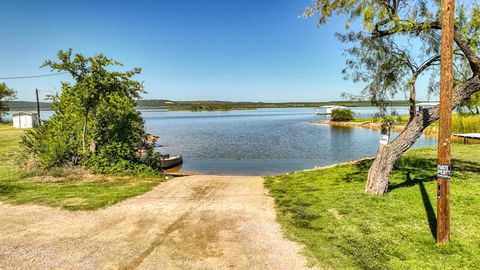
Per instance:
x=194, y=222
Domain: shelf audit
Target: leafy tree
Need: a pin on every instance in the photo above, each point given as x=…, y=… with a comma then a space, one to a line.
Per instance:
x=471, y=104
x=340, y=115
x=386, y=23
x=6, y=94
x=388, y=66
x=94, y=82
x=97, y=109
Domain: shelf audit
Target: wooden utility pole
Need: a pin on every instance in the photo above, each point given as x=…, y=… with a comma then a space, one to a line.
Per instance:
x=38, y=105
x=445, y=128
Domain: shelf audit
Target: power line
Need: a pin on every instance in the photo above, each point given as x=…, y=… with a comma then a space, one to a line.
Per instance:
x=33, y=76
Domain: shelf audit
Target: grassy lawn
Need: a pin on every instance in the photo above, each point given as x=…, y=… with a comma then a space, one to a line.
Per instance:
x=72, y=193
x=342, y=228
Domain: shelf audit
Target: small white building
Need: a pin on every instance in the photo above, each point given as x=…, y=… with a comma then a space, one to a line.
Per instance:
x=326, y=110
x=25, y=119
x=427, y=105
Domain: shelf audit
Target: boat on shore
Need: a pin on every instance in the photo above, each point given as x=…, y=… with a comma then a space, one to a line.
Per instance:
x=168, y=161
x=164, y=161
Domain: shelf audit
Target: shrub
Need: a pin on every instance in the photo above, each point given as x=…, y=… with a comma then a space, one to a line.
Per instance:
x=118, y=158
x=340, y=115
x=95, y=123
x=104, y=165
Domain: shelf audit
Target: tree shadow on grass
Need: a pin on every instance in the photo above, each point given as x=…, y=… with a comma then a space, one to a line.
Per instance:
x=409, y=182
x=359, y=174
x=432, y=218
x=7, y=190
x=424, y=170
x=427, y=166
x=427, y=203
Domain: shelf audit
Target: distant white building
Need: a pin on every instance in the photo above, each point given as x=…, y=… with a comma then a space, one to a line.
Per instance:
x=326, y=110
x=427, y=105
x=25, y=119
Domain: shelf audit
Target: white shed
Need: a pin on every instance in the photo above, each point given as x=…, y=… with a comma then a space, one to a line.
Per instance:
x=25, y=119
x=326, y=110
x=427, y=105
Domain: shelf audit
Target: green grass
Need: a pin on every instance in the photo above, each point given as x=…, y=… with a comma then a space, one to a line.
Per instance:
x=74, y=193
x=342, y=228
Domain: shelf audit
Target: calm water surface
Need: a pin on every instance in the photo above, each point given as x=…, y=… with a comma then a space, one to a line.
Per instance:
x=260, y=142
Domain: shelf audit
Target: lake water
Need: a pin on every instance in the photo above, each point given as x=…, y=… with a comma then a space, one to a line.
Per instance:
x=260, y=142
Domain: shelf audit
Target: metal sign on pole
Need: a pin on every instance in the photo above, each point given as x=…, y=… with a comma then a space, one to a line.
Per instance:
x=384, y=136
x=445, y=129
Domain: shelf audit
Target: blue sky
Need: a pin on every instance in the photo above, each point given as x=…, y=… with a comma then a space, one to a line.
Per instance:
x=247, y=50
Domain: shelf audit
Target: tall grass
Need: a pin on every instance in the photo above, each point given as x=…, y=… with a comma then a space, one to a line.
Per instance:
x=466, y=123
x=461, y=123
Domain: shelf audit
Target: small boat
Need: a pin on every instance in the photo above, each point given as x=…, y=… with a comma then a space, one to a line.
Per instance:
x=168, y=161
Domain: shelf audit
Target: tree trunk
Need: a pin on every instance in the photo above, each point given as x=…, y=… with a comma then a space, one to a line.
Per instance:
x=412, y=99
x=379, y=173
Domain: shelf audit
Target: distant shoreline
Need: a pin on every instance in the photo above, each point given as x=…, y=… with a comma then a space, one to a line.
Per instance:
x=430, y=131
x=212, y=105
x=366, y=124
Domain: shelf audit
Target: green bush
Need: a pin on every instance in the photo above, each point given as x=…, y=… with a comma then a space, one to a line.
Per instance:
x=341, y=115
x=104, y=165
x=50, y=146
x=118, y=158
x=95, y=123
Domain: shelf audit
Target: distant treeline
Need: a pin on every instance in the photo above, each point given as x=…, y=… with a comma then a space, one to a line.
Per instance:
x=27, y=105
x=212, y=105
x=227, y=105
x=197, y=107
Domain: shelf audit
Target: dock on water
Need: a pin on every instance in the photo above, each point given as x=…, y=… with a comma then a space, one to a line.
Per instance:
x=468, y=136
